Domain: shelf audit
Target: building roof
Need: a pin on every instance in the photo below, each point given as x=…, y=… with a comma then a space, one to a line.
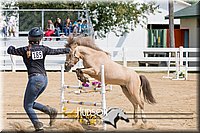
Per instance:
x=182, y=2
x=191, y=11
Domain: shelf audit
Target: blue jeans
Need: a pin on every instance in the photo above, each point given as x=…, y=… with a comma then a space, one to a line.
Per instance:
x=57, y=31
x=68, y=30
x=36, y=85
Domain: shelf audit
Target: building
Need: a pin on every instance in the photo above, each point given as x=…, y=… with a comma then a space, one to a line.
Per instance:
x=136, y=41
x=190, y=21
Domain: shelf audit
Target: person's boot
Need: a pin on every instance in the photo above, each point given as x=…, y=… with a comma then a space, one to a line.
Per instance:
x=38, y=127
x=52, y=112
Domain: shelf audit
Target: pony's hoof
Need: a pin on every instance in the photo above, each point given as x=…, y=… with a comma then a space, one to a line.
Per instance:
x=133, y=124
x=144, y=120
x=87, y=80
x=78, y=70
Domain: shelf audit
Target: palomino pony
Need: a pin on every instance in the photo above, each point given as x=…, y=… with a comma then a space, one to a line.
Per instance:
x=93, y=57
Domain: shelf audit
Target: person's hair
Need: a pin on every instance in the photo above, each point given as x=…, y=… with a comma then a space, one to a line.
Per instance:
x=28, y=52
x=49, y=22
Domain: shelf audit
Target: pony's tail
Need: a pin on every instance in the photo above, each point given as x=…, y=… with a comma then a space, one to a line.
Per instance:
x=146, y=88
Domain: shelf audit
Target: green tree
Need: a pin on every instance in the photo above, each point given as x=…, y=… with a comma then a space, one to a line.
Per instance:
x=106, y=17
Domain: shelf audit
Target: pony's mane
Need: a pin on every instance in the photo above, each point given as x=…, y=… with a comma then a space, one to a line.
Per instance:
x=85, y=41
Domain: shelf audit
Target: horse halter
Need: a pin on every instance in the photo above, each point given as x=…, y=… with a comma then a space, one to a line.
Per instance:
x=76, y=56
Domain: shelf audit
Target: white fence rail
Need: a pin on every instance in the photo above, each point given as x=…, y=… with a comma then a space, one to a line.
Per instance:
x=53, y=62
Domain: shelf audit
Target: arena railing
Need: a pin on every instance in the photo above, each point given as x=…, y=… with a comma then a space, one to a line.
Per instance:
x=13, y=63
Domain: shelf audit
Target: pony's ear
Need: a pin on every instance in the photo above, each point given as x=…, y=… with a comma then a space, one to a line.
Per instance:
x=79, y=40
x=70, y=39
x=71, y=36
x=73, y=46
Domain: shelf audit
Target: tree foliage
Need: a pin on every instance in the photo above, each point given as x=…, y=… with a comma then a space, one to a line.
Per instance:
x=114, y=16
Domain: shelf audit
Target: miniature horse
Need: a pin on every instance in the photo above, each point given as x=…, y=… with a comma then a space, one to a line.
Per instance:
x=93, y=57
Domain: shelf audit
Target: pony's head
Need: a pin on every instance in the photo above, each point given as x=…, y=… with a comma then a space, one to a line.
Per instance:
x=70, y=60
x=73, y=42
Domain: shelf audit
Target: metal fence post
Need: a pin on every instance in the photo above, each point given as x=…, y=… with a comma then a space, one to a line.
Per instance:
x=124, y=56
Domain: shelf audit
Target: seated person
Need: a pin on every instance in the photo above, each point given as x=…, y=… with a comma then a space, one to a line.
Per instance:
x=75, y=27
x=79, y=25
x=50, y=29
x=84, y=28
x=58, y=28
x=67, y=27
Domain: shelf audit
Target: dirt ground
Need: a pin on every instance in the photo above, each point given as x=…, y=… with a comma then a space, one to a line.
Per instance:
x=176, y=107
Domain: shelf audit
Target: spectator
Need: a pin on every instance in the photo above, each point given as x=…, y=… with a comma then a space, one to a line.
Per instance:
x=58, y=28
x=79, y=25
x=3, y=27
x=67, y=26
x=12, y=26
x=50, y=29
x=75, y=27
x=84, y=28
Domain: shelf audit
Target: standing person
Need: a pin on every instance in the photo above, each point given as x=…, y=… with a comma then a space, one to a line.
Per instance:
x=34, y=58
x=3, y=27
x=12, y=26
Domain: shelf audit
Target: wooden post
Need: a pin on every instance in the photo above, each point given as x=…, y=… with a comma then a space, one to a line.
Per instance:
x=171, y=23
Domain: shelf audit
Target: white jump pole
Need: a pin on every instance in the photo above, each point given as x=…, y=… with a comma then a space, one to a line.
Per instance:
x=85, y=88
x=82, y=103
x=62, y=97
x=186, y=66
x=177, y=65
x=103, y=91
x=13, y=63
x=181, y=59
x=168, y=66
x=169, y=63
x=181, y=56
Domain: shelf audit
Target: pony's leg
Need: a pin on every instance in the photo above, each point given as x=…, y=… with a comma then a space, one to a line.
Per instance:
x=134, y=91
x=80, y=75
x=144, y=120
x=131, y=99
x=136, y=113
x=143, y=116
x=90, y=71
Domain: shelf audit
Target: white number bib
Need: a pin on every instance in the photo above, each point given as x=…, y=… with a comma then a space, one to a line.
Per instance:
x=37, y=55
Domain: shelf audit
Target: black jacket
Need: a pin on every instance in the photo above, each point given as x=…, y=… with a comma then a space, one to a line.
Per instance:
x=35, y=63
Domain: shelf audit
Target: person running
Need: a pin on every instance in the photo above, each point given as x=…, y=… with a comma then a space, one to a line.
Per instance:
x=34, y=58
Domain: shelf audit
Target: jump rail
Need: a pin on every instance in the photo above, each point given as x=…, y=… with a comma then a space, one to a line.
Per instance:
x=103, y=91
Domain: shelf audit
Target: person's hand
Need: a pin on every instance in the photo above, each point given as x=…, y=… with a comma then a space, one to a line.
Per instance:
x=68, y=50
x=10, y=48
